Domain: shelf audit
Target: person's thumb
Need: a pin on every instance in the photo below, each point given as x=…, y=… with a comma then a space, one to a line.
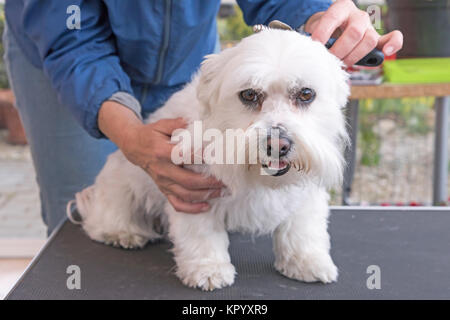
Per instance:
x=167, y=126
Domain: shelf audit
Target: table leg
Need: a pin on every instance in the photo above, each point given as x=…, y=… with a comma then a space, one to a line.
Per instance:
x=440, y=169
x=351, y=114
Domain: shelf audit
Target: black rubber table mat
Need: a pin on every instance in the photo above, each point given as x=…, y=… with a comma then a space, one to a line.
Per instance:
x=412, y=249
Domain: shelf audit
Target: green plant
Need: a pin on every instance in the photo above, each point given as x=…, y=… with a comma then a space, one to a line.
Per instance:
x=3, y=76
x=233, y=28
x=410, y=114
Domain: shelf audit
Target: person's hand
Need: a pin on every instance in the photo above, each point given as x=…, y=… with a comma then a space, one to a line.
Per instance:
x=148, y=146
x=357, y=36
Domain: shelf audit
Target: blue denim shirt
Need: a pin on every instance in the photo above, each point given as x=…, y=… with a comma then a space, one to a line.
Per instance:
x=147, y=48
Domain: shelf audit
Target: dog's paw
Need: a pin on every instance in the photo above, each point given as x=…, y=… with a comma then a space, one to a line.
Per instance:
x=310, y=268
x=207, y=276
x=125, y=240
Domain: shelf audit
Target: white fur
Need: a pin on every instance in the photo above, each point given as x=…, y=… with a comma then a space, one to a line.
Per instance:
x=125, y=208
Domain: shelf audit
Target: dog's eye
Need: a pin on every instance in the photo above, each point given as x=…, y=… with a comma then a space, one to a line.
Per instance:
x=305, y=95
x=249, y=96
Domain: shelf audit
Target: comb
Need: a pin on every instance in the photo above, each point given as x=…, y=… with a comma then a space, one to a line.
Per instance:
x=373, y=59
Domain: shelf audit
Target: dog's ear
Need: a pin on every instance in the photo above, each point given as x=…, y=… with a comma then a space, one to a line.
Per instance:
x=342, y=86
x=208, y=86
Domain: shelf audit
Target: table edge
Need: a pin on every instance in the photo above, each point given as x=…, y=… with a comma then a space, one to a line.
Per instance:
x=37, y=256
x=399, y=90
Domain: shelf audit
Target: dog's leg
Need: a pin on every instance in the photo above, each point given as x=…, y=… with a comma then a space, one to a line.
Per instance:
x=200, y=250
x=302, y=243
x=117, y=209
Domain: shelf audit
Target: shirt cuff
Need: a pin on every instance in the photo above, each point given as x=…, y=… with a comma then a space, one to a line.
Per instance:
x=127, y=100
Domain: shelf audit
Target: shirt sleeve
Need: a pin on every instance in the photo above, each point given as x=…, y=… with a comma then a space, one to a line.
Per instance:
x=292, y=12
x=128, y=101
x=82, y=64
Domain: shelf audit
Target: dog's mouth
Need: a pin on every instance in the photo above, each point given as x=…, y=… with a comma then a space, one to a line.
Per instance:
x=276, y=168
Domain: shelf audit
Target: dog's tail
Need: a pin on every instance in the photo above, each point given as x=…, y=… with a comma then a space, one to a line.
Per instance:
x=79, y=207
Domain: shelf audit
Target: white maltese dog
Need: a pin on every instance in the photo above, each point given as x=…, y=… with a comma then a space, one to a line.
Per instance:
x=273, y=81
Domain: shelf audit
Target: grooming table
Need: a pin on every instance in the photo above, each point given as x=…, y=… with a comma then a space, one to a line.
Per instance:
x=410, y=246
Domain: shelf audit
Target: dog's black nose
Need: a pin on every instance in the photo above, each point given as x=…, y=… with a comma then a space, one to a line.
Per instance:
x=284, y=143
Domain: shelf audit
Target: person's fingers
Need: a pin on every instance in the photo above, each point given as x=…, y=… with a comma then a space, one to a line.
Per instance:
x=181, y=206
x=167, y=126
x=189, y=179
x=196, y=157
x=357, y=26
x=175, y=154
x=332, y=19
x=391, y=42
x=162, y=153
x=192, y=196
x=367, y=44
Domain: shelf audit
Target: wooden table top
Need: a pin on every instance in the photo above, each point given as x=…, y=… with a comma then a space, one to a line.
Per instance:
x=387, y=91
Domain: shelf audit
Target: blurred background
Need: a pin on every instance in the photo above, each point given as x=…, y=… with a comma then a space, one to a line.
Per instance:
x=395, y=142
